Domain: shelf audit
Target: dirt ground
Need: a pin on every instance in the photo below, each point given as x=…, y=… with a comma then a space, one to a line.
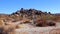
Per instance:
x=39, y=30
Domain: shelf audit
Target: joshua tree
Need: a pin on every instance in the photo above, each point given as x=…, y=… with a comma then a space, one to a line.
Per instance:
x=33, y=15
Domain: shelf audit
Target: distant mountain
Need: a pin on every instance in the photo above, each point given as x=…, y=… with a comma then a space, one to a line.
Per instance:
x=29, y=14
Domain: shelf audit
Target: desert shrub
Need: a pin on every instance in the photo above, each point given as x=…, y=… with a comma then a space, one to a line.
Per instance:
x=51, y=24
x=1, y=30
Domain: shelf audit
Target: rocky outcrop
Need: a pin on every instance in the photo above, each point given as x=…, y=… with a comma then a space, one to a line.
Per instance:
x=29, y=21
x=30, y=15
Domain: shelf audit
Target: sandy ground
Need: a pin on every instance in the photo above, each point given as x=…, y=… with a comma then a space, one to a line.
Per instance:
x=39, y=30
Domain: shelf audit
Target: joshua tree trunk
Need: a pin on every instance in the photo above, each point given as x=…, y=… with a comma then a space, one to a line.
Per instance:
x=33, y=15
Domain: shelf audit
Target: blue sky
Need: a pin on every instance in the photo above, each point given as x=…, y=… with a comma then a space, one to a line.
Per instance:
x=9, y=6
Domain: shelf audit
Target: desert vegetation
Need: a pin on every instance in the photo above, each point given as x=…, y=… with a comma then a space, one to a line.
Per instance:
x=27, y=18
